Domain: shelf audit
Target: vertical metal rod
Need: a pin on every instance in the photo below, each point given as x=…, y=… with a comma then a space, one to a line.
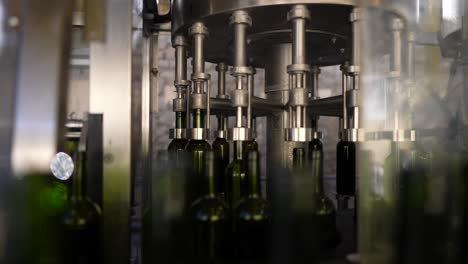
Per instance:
x=344, y=85
x=299, y=41
x=396, y=55
x=187, y=96
x=250, y=85
x=240, y=54
x=208, y=92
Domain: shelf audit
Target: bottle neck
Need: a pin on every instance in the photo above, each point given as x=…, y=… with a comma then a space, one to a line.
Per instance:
x=210, y=178
x=79, y=179
x=198, y=118
x=316, y=161
x=238, y=150
x=299, y=158
x=181, y=119
x=253, y=173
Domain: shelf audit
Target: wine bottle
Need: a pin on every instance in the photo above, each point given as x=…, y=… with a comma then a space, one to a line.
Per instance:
x=208, y=215
x=346, y=168
x=81, y=220
x=178, y=144
x=247, y=146
x=196, y=148
x=299, y=159
x=221, y=154
x=324, y=211
x=235, y=177
x=252, y=216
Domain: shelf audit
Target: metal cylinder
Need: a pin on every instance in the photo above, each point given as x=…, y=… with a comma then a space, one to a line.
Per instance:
x=181, y=58
x=198, y=53
x=410, y=56
x=240, y=45
x=356, y=17
x=396, y=55
x=221, y=68
x=276, y=89
x=344, y=87
x=299, y=41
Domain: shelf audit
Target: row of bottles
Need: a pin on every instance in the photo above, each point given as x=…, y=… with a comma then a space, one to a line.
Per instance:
x=62, y=223
x=228, y=218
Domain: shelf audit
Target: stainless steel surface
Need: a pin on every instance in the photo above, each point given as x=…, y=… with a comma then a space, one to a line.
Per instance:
x=240, y=134
x=327, y=38
x=298, y=134
x=198, y=133
x=298, y=70
x=276, y=88
x=177, y=133
x=110, y=94
x=260, y=107
x=41, y=89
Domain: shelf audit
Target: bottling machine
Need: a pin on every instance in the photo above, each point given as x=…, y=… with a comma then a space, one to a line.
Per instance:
x=88, y=175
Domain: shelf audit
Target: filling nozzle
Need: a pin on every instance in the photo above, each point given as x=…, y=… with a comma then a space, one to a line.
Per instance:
x=241, y=97
x=181, y=84
x=199, y=99
x=298, y=70
x=221, y=68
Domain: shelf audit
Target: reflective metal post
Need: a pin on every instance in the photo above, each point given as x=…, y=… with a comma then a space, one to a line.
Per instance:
x=110, y=94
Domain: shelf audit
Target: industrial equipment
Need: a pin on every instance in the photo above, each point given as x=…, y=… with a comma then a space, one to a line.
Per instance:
x=340, y=131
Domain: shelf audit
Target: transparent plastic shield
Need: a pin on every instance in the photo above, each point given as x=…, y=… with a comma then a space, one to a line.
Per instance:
x=411, y=160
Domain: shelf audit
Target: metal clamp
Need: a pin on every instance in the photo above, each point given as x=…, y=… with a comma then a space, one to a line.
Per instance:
x=198, y=101
x=298, y=11
x=240, y=17
x=198, y=133
x=220, y=133
x=198, y=28
x=298, y=134
x=240, y=134
x=239, y=97
x=202, y=76
x=179, y=105
x=241, y=71
x=298, y=68
x=298, y=97
x=177, y=133
x=354, y=135
x=181, y=83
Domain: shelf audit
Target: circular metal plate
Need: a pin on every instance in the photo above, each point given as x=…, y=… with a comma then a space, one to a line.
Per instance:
x=328, y=32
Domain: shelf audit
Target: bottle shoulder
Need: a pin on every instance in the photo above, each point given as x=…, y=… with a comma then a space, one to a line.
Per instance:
x=323, y=205
x=177, y=144
x=195, y=145
x=349, y=144
x=209, y=209
x=252, y=208
x=220, y=142
x=80, y=213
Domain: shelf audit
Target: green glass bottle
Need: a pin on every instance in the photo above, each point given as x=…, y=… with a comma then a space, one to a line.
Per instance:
x=324, y=210
x=178, y=144
x=221, y=153
x=235, y=177
x=252, y=216
x=346, y=168
x=196, y=148
x=81, y=220
x=247, y=146
x=209, y=216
